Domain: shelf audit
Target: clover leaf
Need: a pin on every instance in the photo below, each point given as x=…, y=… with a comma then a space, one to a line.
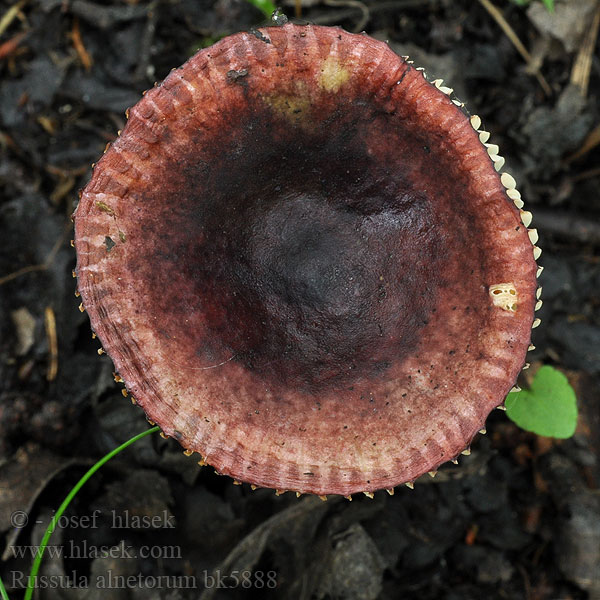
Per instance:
x=548, y=408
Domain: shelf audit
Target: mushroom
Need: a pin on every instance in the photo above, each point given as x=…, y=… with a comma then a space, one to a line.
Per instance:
x=304, y=264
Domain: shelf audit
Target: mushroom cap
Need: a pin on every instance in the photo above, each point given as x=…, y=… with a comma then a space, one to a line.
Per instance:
x=304, y=265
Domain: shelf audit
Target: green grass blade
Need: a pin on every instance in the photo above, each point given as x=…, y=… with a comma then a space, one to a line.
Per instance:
x=3, y=593
x=50, y=529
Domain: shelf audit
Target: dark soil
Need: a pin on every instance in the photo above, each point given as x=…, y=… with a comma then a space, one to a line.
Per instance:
x=518, y=518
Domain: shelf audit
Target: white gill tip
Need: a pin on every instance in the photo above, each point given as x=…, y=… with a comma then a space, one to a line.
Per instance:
x=526, y=366
x=515, y=389
x=349, y=498
x=457, y=102
x=530, y=347
x=298, y=494
x=533, y=236
x=484, y=136
x=410, y=485
x=492, y=149
x=390, y=491
x=438, y=83
x=501, y=407
x=508, y=181
x=519, y=203
x=432, y=473
x=445, y=90
x=513, y=194
x=539, y=272
x=499, y=163
x=368, y=495
x=475, y=122
x=466, y=452
x=536, y=323
x=537, y=252
x=454, y=461
x=483, y=431
x=538, y=305
x=526, y=218
x=538, y=292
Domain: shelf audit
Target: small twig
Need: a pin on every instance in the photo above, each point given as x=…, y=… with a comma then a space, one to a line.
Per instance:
x=50, y=324
x=10, y=15
x=8, y=47
x=589, y=143
x=567, y=225
x=580, y=73
x=84, y=55
x=589, y=174
x=141, y=71
x=72, y=172
x=526, y=582
x=41, y=267
x=516, y=42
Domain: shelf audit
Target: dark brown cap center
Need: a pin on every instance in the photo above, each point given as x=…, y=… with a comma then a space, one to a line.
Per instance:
x=309, y=260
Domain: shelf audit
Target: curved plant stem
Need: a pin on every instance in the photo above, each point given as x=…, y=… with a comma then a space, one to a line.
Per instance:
x=50, y=529
x=497, y=15
x=3, y=593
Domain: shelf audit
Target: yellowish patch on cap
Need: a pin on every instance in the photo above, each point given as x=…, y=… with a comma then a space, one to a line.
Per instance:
x=294, y=106
x=504, y=295
x=333, y=75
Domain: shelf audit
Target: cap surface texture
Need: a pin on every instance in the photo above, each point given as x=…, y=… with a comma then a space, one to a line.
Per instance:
x=304, y=265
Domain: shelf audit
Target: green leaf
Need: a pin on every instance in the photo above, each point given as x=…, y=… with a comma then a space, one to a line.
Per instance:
x=549, y=408
x=268, y=8
x=549, y=4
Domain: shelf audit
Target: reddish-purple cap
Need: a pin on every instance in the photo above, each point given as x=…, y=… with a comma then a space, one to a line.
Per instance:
x=304, y=264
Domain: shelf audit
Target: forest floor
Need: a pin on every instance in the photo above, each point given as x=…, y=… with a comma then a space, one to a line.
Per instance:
x=517, y=519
